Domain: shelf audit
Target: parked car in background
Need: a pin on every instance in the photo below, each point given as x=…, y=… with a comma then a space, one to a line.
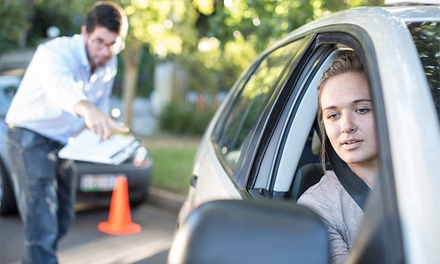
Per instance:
x=95, y=180
x=259, y=147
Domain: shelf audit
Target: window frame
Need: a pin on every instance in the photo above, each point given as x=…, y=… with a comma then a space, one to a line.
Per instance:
x=238, y=89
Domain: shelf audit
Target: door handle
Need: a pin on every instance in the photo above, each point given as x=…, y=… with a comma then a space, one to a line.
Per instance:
x=193, y=181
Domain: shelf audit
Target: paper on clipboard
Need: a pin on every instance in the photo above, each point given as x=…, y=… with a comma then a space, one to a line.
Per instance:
x=87, y=146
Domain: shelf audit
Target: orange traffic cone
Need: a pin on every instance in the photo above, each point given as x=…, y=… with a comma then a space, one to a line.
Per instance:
x=119, y=220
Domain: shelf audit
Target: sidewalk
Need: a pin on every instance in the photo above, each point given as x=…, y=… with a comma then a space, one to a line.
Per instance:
x=165, y=199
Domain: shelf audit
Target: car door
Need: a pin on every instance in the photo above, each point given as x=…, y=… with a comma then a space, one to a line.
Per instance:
x=227, y=147
x=288, y=143
x=283, y=141
x=284, y=137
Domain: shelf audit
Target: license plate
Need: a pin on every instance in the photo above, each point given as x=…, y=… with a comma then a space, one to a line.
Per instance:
x=98, y=182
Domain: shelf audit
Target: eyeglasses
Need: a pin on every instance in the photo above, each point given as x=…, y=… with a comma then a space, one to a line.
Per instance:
x=100, y=44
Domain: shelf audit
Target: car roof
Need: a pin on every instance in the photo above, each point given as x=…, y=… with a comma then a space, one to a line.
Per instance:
x=374, y=18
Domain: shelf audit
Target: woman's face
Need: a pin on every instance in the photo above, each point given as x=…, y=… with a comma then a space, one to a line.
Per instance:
x=348, y=118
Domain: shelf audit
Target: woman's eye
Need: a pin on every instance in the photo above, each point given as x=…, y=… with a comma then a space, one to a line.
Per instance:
x=362, y=111
x=332, y=115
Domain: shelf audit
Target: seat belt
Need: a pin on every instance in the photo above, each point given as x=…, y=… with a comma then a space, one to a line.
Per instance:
x=355, y=186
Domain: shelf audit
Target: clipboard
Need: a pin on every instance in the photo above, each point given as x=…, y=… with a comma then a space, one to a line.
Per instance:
x=87, y=146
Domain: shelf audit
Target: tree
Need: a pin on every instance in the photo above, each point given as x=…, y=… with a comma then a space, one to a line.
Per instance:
x=167, y=27
x=14, y=23
x=242, y=29
x=214, y=39
x=26, y=27
x=263, y=22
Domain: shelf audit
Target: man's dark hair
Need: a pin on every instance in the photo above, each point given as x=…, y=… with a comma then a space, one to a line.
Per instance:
x=108, y=15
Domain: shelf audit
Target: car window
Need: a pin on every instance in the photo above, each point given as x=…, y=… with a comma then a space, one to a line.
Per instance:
x=426, y=36
x=294, y=136
x=251, y=99
x=8, y=87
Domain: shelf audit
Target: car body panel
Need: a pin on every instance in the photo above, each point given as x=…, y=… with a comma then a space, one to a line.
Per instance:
x=8, y=86
x=211, y=165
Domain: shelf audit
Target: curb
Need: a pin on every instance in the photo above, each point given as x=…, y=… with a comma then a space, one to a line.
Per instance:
x=165, y=199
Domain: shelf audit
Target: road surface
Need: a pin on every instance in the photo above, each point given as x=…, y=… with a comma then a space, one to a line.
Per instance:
x=86, y=244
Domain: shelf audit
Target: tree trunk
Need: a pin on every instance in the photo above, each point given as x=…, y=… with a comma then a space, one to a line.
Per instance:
x=131, y=58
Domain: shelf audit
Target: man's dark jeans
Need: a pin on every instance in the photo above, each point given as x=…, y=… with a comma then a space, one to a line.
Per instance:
x=45, y=188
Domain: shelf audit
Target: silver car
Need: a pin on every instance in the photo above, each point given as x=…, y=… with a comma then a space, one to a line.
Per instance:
x=260, y=145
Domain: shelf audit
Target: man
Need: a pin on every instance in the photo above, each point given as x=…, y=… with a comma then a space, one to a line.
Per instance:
x=66, y=86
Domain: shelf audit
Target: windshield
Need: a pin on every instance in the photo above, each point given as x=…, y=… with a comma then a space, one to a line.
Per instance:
x=426, y=36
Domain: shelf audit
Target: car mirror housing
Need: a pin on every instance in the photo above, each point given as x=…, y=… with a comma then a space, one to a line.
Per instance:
x=233, y=231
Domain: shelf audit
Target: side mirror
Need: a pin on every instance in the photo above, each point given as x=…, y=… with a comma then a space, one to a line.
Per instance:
x=233, y=231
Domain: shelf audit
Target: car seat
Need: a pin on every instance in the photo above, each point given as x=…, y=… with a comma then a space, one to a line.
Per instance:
x=305, y=177
x=310, y=172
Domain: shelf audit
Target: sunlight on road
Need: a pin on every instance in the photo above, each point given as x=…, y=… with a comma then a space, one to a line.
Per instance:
x=86, y=244
x=118, y=249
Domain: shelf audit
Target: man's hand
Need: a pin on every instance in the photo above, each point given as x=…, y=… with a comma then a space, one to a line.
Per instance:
x=97, y=121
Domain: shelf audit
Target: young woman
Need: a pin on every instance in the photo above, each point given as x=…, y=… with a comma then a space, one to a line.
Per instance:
x=345, y=112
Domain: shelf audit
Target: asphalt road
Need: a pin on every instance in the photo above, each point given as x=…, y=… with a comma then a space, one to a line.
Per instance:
x=86, y=244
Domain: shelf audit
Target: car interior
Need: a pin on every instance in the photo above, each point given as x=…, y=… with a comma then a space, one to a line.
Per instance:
x=309, y=170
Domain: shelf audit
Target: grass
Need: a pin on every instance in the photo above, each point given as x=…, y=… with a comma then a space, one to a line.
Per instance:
x=173, y=158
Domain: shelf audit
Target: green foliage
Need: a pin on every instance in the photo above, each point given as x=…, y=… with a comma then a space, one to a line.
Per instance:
x=173, y=162
x=263, y=22
x=172, y=169
x=245, y=28
x=167, y=26
x=14, y=23
x=185, y=118
x=215, y=70
x=260, y=22
x=24, y=22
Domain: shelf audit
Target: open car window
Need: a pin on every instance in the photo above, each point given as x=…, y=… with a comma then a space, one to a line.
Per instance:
x=243, y=114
